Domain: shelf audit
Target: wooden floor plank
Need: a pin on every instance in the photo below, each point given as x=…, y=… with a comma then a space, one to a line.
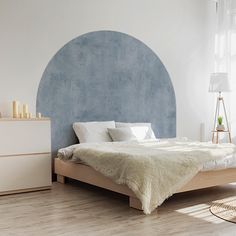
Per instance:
x=79, y=209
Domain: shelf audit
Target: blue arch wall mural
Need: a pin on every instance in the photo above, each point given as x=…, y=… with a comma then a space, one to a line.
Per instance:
x=106, y=75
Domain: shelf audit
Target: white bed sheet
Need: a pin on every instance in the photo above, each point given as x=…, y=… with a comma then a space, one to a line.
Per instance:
x=227, y=162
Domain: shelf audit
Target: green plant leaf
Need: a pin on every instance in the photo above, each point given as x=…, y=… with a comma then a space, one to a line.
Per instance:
x=220, y=120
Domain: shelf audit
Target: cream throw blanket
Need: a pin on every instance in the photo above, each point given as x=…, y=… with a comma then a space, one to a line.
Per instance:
x=152, y=170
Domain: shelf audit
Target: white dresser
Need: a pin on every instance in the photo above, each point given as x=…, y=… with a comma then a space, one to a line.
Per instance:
x=25, y=155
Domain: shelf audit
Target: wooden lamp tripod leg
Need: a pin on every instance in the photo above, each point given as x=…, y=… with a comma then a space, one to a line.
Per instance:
x=227, y=123
x=216, y=114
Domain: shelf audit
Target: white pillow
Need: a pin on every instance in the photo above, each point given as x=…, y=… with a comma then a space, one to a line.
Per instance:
x=89, y=132
x=149, y=135
x=129, y=133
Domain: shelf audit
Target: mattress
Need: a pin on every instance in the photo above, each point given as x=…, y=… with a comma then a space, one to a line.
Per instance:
x=225, y=163
x=229, y=162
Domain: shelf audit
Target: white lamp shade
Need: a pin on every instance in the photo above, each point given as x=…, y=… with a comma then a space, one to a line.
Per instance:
x=219, y=82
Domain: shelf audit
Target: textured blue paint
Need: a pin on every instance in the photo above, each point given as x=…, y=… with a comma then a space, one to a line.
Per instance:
x=106, y=75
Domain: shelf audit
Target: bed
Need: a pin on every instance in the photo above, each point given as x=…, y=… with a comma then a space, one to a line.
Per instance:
x=214, y=172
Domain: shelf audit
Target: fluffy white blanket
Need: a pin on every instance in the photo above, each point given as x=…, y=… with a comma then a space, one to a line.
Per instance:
x=152, y=170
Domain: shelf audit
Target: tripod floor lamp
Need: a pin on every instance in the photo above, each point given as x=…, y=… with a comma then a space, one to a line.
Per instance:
x=219, y=83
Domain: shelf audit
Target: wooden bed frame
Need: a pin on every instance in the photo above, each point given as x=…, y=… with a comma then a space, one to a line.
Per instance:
x=88, y=175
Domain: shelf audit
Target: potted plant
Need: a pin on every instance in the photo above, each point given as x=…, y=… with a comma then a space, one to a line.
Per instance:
x=220, y=126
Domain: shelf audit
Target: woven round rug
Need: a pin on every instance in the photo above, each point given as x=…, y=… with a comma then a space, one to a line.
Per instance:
x=225, y=209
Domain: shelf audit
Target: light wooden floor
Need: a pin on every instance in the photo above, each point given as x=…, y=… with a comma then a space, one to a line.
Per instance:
x=78, y=209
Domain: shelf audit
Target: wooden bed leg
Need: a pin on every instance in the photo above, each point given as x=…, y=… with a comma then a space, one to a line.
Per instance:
x=61, y=179
x=135, y=203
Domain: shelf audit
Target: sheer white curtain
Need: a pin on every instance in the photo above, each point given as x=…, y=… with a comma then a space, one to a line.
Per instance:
x=225, y=52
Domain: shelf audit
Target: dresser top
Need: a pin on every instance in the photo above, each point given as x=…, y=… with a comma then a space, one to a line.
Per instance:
x=24, y=119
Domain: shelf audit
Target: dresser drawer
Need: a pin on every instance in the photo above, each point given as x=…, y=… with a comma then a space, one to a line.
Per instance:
x=21, y=137
x=25, y=172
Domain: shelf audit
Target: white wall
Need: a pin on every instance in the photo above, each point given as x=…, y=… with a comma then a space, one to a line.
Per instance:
x=179, y=31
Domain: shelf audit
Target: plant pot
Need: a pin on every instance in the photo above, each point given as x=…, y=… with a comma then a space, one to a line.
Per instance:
x=220, y=128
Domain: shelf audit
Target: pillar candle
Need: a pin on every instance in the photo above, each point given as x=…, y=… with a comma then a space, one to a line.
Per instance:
x=25, y=110
x=15, y=106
